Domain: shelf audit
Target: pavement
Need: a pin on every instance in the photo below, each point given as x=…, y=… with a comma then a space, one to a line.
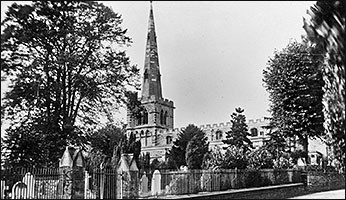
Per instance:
x=333, y=194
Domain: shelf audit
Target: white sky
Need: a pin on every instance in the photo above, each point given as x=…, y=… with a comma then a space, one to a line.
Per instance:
x=211, y=53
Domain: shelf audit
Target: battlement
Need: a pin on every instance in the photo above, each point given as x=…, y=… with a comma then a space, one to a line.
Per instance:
x=153, y=98
x=258, y=121
x=226, y=125
x=216, y=126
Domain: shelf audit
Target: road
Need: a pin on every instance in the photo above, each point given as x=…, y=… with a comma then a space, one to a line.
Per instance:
x=334, y=194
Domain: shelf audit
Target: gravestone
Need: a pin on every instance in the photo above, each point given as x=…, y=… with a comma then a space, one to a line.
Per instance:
x=29, y=180
x=2, y=190
x=144, y=183
x=19, y=190
x=156, y=183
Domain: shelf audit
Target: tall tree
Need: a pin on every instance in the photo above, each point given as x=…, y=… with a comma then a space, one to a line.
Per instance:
x=195, y=150
x=238, y=135
x=326, y=29
x=69, y=68
x=176, y=154
x=294, y=81
x=104, y=146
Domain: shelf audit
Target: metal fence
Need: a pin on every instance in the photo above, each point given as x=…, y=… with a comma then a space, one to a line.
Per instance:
x=46, y=183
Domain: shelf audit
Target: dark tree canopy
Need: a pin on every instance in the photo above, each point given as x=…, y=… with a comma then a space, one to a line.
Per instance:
x=68, y=68
x=294, y=81
x=326, y=29
x=107, y=144
x=177, y=154
x=195, y=150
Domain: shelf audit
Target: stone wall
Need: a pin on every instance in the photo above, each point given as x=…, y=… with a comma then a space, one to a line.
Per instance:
x=325, y=180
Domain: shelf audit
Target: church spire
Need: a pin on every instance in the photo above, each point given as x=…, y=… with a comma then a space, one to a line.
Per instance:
x=151, y=85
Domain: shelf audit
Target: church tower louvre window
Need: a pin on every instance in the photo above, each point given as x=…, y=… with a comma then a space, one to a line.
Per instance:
x=157, y=116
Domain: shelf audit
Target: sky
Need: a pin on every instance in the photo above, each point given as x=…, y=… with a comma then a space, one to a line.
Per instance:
x=211, y=53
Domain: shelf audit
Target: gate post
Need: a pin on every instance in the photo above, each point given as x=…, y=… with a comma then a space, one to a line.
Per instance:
x=71, y=178
x=127, y=180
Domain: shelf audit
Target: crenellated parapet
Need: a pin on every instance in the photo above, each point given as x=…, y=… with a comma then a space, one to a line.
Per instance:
x=227, y=125
x=258, y=121
x=155, y=99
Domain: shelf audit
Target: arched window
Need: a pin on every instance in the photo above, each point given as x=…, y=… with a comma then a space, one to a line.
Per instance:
x=146, y=74
x=168, y=139
x=142, y=118
x=254, y=132
x=165, y=118
x=139, y=117
x=218, y=135
x=161, y=117
x=145, y=117
x=146, y=137
x=142, y=138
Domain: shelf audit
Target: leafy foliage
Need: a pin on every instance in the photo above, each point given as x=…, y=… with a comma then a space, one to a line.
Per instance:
x=108, y=143
x=235, y=157
x=261, y=158
x=195, y=151
x=213, y=159
x=176, y=155
x=238, y=135
x=68, y=68
x=326, y=29
x=293, y=79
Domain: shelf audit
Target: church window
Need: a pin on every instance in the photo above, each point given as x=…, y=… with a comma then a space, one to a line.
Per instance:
x=168, y=139
x=165, y=118
x=142, y=138
x=146, y=74
x=145, y=117
x=218, y=135
x=254, y=132
x=139, y=119
x=261, y=132
x=161, y=117
x=146, y=137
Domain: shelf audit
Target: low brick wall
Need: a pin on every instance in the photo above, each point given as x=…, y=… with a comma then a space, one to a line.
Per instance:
x=325, y=181
x=268, y=192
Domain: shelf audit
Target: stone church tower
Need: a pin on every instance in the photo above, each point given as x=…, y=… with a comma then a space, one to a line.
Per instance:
x=158, y=115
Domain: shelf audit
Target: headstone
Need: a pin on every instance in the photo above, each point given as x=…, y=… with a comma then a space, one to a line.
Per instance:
x=156, y=183
x=19, y=190
x=2, y=190
x=301, y=162
x=29, y=180
x=144, y=183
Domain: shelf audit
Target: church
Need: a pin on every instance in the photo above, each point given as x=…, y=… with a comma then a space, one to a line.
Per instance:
x=155, y=126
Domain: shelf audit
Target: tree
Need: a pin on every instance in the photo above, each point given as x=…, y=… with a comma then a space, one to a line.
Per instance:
x=293, y=79
x=104, y=146
x=235, y=157
x=176, y=154
x=238, y=135
x=213, y=159
x=68, y=72
x=277, y=143
x=261, y=158
x=144, y=162
x=196, y=149
x=107, y=145
x=326, y=29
